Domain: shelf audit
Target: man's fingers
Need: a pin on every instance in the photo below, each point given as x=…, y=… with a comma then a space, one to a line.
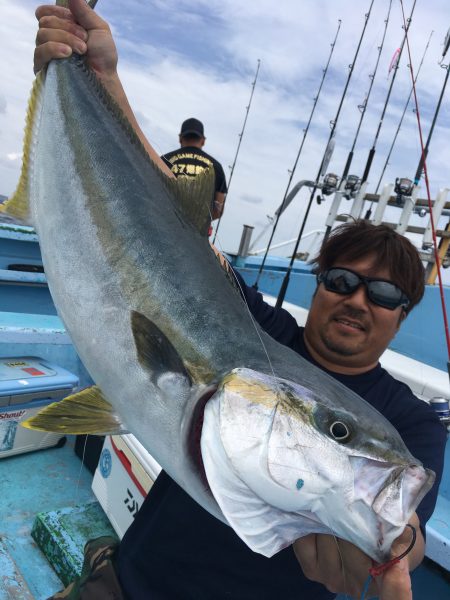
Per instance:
x=85, y=16
x=53, y=22
x=395, y=583
x=46, y=52
x=47, y=10
x=60, y=37
x=305, y=550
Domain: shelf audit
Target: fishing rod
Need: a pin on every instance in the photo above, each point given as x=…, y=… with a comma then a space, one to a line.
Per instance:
x=239, y=143
x=420, y=166
x=325, y=159
x=427, y=183
x=353, y=183
x=380, y=124
x=363, y=106
x=369, y=211
x=287, y=200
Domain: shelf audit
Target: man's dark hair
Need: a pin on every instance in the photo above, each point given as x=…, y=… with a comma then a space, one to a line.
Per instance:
x=394, y=252
x=190, y=137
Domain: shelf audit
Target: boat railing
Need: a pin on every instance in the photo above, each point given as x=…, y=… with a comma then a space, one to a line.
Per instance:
x=316, y=236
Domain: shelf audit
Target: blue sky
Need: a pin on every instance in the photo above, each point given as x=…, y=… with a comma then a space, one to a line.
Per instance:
x=198, y=58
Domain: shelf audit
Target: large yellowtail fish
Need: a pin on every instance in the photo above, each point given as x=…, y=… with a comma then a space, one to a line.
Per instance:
x=281, y=449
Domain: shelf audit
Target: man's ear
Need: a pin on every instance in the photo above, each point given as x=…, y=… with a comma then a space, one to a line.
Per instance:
x=401, y=318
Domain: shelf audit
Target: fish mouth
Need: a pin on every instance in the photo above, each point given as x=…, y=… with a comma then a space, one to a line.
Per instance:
x=393, y=492
x=402, y=493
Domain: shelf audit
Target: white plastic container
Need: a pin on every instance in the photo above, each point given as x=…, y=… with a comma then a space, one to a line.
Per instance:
x=124, y=475
x=27, y=384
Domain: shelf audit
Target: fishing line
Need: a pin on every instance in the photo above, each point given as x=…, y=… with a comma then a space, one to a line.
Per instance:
x=81, y=470
x=229, y=269
x=423, y=162
x=335, y=537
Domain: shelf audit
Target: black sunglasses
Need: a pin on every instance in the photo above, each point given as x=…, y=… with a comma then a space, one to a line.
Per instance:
x=379, y=291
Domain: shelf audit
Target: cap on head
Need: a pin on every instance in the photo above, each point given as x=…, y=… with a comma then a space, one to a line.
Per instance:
x=192, y=127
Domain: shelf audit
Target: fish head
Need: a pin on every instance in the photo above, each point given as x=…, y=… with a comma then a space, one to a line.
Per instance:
x=301, y=464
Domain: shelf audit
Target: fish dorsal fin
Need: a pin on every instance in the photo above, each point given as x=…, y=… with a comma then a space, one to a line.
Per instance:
x=155, y=351
x=18, y=205
x=84, y=412
x=194, y=197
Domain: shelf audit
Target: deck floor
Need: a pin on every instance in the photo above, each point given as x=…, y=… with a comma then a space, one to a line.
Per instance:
x=38, y=482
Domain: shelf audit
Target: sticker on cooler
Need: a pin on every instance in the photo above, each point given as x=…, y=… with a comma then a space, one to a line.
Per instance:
x=8, y=429
x=105, y=463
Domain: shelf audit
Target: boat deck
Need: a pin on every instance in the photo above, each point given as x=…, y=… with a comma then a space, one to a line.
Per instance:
x=35, y=482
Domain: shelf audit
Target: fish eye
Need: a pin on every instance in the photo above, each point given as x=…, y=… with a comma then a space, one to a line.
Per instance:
x=340, y=431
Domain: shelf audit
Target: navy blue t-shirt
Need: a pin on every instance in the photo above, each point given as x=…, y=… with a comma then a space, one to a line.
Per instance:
x=175, y=550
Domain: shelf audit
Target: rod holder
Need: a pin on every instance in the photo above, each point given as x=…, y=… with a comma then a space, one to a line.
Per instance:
x=244, y=245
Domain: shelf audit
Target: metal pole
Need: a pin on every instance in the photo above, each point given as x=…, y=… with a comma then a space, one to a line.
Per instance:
x=239, y=143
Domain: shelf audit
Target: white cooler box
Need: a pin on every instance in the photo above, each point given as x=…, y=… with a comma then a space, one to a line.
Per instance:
x=27, y=384
x=124, y=475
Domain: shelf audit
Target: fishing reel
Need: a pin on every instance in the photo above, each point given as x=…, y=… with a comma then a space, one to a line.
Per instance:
x=329, y=185
x=442, y=409
x=419, y=210
x=403, y=189
x=352, y=186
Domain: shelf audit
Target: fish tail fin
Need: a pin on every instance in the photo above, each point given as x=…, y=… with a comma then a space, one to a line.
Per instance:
x=18, y=205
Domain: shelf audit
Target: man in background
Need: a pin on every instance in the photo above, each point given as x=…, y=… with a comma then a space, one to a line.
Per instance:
x=190, y=160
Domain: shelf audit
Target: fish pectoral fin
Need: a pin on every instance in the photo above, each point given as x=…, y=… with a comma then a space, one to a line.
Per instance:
x=84, y=412
x=156, y=352
x=194, y=197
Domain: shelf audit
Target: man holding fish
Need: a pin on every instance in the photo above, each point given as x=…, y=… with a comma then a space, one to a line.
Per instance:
x=175, y=549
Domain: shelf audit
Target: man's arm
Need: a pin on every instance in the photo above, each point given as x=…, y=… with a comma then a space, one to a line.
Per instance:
x=80, y=29
x=342, y=568
x=218, y=206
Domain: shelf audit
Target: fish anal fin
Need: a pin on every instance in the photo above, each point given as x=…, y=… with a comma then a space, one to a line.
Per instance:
x=86, y=412
x=155, y=351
